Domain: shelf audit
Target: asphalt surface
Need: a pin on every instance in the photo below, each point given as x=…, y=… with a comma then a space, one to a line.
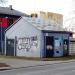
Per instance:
x=53, y=69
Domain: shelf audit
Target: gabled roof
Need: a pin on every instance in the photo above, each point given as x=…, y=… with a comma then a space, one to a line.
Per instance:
x=37, y=24
x=10, y=11
x=43, y=24
x=12, y=24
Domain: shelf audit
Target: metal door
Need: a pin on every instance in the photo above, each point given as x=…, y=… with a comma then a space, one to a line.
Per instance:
x=58, y=47
x=49, y=46
x=10, y=47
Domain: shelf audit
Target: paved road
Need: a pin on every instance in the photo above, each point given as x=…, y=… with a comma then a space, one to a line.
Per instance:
x=54, y=69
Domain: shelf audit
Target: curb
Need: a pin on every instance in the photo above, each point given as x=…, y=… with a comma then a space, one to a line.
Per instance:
x=4, y=68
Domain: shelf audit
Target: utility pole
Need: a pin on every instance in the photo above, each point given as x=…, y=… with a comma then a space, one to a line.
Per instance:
x=2, y=3
x=1, y=39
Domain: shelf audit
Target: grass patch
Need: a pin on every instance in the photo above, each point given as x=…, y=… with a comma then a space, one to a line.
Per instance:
x=40, y=59
x=20, y=57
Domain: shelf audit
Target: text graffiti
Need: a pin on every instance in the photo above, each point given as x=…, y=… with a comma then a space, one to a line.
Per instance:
x=27, y=43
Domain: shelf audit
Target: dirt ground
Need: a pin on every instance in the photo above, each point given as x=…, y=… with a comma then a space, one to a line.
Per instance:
x=3, y=65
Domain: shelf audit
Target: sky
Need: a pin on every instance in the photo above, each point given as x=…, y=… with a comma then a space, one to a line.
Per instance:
x=27, y=6
x=64, y=7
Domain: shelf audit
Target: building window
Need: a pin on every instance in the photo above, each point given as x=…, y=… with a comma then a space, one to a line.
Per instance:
x=10, y=21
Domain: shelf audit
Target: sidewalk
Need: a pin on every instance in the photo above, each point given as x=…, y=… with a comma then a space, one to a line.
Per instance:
x=22, y=63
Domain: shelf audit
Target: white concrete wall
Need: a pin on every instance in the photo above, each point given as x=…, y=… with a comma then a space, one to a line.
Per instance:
x=22, y=29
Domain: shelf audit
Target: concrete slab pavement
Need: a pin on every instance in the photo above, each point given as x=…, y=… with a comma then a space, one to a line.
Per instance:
x=22, y=63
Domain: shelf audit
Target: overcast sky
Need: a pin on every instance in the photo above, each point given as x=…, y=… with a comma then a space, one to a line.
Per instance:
x=27, y=6
x=64, y=7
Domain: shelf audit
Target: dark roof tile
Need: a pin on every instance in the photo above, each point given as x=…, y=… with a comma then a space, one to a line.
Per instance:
x=7, y=10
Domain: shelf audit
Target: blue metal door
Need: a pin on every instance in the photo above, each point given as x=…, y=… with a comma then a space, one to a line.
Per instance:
x=58, y=47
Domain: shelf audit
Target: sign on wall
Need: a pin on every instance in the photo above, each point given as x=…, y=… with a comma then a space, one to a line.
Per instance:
x=27, y=43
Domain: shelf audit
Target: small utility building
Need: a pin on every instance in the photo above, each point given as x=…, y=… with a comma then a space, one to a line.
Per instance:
x=24, y=38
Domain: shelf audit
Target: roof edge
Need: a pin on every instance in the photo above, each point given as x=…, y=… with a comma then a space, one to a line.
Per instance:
x=31, y=24
x=57, y=31
x=12, y=24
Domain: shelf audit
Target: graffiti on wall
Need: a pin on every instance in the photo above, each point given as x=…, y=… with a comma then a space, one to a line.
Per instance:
x=27, y=43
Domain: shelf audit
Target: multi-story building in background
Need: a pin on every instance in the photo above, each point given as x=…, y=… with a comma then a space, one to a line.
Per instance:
x=48, y=20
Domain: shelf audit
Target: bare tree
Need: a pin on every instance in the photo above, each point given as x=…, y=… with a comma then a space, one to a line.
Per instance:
x=2, y=2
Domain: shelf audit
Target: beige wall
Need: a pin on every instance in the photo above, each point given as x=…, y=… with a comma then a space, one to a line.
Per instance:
x=54, y=17
x=48, y=21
